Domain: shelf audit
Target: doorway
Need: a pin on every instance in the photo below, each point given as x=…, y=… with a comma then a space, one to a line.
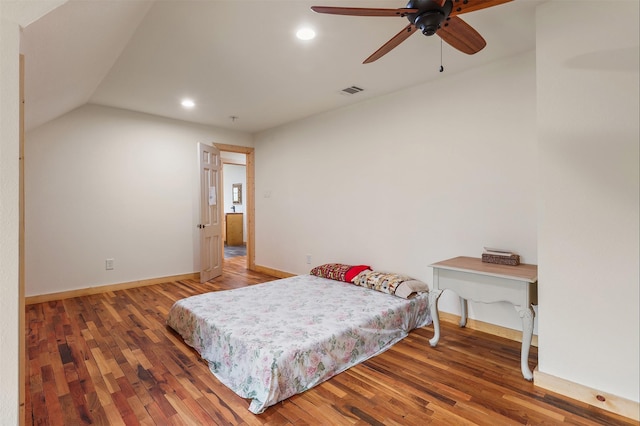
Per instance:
x=233, y=187
x=248, y=197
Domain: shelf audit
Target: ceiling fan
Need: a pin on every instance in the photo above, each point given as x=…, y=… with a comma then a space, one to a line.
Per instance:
x=429, y=17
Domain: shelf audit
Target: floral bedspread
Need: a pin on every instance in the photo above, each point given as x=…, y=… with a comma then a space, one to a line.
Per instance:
x=270, y=341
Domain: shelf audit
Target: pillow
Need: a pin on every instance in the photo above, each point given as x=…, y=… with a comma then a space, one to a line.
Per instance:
x=339, y=271
x=353, y=272
x=410, y=288
x=396, y=284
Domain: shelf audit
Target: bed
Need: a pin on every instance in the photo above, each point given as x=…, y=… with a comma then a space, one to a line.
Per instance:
x=270, y=341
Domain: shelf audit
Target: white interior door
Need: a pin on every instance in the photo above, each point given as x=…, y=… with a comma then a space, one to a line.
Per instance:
x=210, y=213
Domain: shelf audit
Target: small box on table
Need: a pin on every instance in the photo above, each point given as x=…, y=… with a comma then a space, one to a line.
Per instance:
x=512, y=260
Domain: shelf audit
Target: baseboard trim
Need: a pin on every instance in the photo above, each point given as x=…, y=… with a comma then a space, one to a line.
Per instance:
x=273, y=272
x=496, y=330
x=41, y=298
x=603, y=400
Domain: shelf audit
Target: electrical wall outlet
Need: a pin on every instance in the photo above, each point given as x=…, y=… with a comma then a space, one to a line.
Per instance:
x=308, y=259
x=108, y=264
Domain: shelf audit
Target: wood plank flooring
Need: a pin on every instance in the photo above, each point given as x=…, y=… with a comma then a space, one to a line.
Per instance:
x=109, y=359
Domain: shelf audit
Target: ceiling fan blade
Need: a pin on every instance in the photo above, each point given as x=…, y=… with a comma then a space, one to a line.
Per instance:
x=395, y=41
x=462, y=36
x=460, y=7
x=359, y=11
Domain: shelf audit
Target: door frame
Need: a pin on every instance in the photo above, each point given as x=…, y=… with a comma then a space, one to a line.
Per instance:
x=22, y=339
x=250, y=199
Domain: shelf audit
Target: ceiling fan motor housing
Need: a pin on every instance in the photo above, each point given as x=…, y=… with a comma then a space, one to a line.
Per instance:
x=430, y=15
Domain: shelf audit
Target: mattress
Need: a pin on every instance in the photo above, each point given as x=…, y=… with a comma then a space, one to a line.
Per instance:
x=270, y=341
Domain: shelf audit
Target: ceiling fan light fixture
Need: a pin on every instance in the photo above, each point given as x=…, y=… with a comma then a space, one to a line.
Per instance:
x=428, y=16
x=429, y=22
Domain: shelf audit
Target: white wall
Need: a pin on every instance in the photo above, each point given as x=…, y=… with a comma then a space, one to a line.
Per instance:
x=589, y=184
x=108, y=183
x=399, y=182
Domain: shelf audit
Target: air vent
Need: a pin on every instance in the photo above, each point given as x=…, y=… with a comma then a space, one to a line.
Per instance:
x=352, y=90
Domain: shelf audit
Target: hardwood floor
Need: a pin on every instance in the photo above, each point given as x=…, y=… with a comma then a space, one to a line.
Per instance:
x=109, y=359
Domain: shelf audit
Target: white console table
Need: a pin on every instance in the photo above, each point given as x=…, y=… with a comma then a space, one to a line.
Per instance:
x=472, y=279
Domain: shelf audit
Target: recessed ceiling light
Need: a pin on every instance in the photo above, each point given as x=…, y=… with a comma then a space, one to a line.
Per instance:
x=305, y=34
x=188, y=103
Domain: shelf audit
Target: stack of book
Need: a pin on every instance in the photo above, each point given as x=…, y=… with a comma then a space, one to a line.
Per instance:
x=500, y=256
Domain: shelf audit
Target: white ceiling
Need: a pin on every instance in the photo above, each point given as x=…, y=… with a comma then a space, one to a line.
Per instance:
x=238, y=57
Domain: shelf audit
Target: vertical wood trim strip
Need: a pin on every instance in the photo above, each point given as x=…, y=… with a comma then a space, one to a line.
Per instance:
x=21, y=264
x=251, y=212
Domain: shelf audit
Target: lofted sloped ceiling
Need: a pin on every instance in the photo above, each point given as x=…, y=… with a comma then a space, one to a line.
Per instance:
x=239, y=58
x=69, y=51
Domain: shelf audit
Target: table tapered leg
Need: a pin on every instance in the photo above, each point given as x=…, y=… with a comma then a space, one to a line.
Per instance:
x=527, y=314
x=433, y=308
x=463, y=312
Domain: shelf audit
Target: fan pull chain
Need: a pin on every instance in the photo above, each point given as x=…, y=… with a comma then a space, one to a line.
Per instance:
x=441, y=67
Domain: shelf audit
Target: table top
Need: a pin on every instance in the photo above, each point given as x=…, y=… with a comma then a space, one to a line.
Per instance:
x=522, y=272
